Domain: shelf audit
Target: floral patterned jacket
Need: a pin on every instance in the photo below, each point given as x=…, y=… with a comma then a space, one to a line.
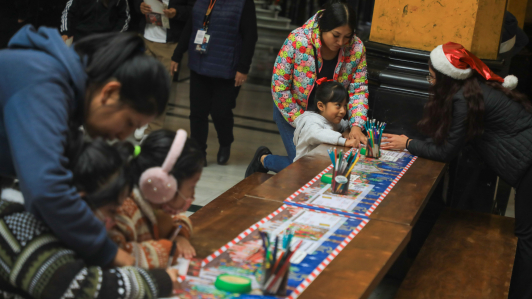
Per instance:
x=294, y=73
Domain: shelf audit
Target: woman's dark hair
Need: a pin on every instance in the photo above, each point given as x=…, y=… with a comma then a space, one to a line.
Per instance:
x=336, y=14
x=154, y=150
x=438, y=112
x=330, y=92
x=99, y=170
x=145, y=82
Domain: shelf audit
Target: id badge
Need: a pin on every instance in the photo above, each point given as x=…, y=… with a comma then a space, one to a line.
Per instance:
x=203, y=47
x=199, y=37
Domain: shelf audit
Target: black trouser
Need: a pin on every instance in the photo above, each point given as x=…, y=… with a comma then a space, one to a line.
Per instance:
x=214, y=96
x=521, y=283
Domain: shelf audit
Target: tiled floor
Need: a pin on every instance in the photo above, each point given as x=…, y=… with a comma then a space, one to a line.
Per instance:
x=253, y=127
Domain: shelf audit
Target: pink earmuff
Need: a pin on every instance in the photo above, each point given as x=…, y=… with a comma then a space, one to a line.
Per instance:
x=157, y=184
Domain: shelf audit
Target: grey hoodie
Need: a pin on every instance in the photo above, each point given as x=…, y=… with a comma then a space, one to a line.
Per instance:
x=312, y=129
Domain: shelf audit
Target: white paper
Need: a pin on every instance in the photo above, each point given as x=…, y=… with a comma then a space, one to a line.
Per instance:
x=343, y=202
x=391, y=156
x=199, y=37
x=156, y=6
x=321, y=227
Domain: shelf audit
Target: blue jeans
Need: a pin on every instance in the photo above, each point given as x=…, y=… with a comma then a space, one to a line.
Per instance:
x=277, y=163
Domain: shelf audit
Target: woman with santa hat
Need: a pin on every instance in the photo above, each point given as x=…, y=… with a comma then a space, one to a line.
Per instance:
x=469, y=104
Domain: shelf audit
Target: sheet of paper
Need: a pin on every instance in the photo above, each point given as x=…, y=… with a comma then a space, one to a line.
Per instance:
x=313, y=228
x=391, y=156
x=156, y=6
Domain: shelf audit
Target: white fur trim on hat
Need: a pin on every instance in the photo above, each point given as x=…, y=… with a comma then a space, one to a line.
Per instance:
x=12, y=195
x=510, y=82
x=443, y=65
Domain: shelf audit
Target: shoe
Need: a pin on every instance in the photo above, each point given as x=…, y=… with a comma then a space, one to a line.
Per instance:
x=139, y=133
x=223, y=154
x=255, y=165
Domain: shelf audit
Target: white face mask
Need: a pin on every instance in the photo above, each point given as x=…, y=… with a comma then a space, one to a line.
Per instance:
x=169, y=210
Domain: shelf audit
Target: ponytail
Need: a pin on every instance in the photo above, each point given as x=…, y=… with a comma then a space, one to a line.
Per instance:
x=145, y=83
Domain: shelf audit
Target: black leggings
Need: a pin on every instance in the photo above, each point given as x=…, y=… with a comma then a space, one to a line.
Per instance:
x=521, y=283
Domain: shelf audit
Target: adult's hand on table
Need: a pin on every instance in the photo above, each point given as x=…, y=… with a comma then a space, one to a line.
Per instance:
x=240, y=78
x=145, y=8
x=394, y=142
x=358, y=136
x=123, y=259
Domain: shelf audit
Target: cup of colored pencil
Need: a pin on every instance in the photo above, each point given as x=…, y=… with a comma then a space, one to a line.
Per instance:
x=374, y=130
x=276, y=265
x=343, y=167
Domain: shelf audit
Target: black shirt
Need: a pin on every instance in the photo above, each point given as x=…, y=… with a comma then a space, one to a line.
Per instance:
x=248, y=30
x=327, y=71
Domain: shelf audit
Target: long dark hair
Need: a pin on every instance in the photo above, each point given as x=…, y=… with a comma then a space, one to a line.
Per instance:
x=145, y=82
x=330, y=92
x=154, y=150
x=337, y=13
x=99, y=169
x=438, y=112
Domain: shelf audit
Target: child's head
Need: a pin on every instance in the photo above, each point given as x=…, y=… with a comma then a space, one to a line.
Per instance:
x=187, y=169
x=99, y=175
x=331, y=101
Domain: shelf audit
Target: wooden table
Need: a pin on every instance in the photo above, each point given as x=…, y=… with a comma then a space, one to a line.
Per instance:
x=354, y=273
x=402, y=205
x=360, y=267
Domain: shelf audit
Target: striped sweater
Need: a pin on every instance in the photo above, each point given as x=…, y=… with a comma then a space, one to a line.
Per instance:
x=35, y=264
x=144, y=232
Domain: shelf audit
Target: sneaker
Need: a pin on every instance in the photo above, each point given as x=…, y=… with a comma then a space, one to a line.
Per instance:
x=256, y=165
x=139, y=133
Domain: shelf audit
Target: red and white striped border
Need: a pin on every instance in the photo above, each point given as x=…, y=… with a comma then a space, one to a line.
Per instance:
x=383, y=195
x=242, y=236
x=312, y=276
x=370, y=210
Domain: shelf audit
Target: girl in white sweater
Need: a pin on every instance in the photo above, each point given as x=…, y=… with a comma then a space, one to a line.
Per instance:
x=326, y=124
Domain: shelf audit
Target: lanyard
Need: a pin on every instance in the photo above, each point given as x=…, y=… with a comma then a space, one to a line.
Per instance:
x=207, y=18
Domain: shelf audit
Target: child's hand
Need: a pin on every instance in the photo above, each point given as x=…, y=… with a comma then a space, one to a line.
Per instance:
x=184, y=249
x=351, y=143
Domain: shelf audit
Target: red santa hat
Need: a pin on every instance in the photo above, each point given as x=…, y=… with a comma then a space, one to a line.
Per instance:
x=456, y=62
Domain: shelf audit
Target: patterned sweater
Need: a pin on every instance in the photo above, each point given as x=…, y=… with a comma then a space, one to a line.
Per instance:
x=35, y=264
x=143, y=231
x=294, y=73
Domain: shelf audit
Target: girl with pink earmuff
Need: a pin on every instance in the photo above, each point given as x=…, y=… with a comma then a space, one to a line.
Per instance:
x=165, y=170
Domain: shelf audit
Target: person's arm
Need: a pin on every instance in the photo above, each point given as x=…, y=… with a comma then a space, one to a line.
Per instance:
x=454, y=143
x=122, y=22
x=68, y=19
x=150, y=254
x=182, y=45
x=358, y=88
x=36, y=121
x=314, y=134
x=282, y=80
x=183, y=9
x=248, y=31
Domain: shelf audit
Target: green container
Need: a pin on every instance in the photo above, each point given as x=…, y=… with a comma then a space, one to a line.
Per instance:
x=233, y=283
x=363, y=151
x=326, y=178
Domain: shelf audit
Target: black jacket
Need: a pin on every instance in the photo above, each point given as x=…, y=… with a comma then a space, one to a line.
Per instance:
x=183, y=11
x=83, y=17
x=506, y=144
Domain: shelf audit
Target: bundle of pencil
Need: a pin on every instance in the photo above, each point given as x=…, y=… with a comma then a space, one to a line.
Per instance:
x=276, y=265
x=343, y=166
x=374, y=129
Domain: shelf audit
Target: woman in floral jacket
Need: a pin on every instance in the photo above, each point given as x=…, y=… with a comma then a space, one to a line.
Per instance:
x=324, y=47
